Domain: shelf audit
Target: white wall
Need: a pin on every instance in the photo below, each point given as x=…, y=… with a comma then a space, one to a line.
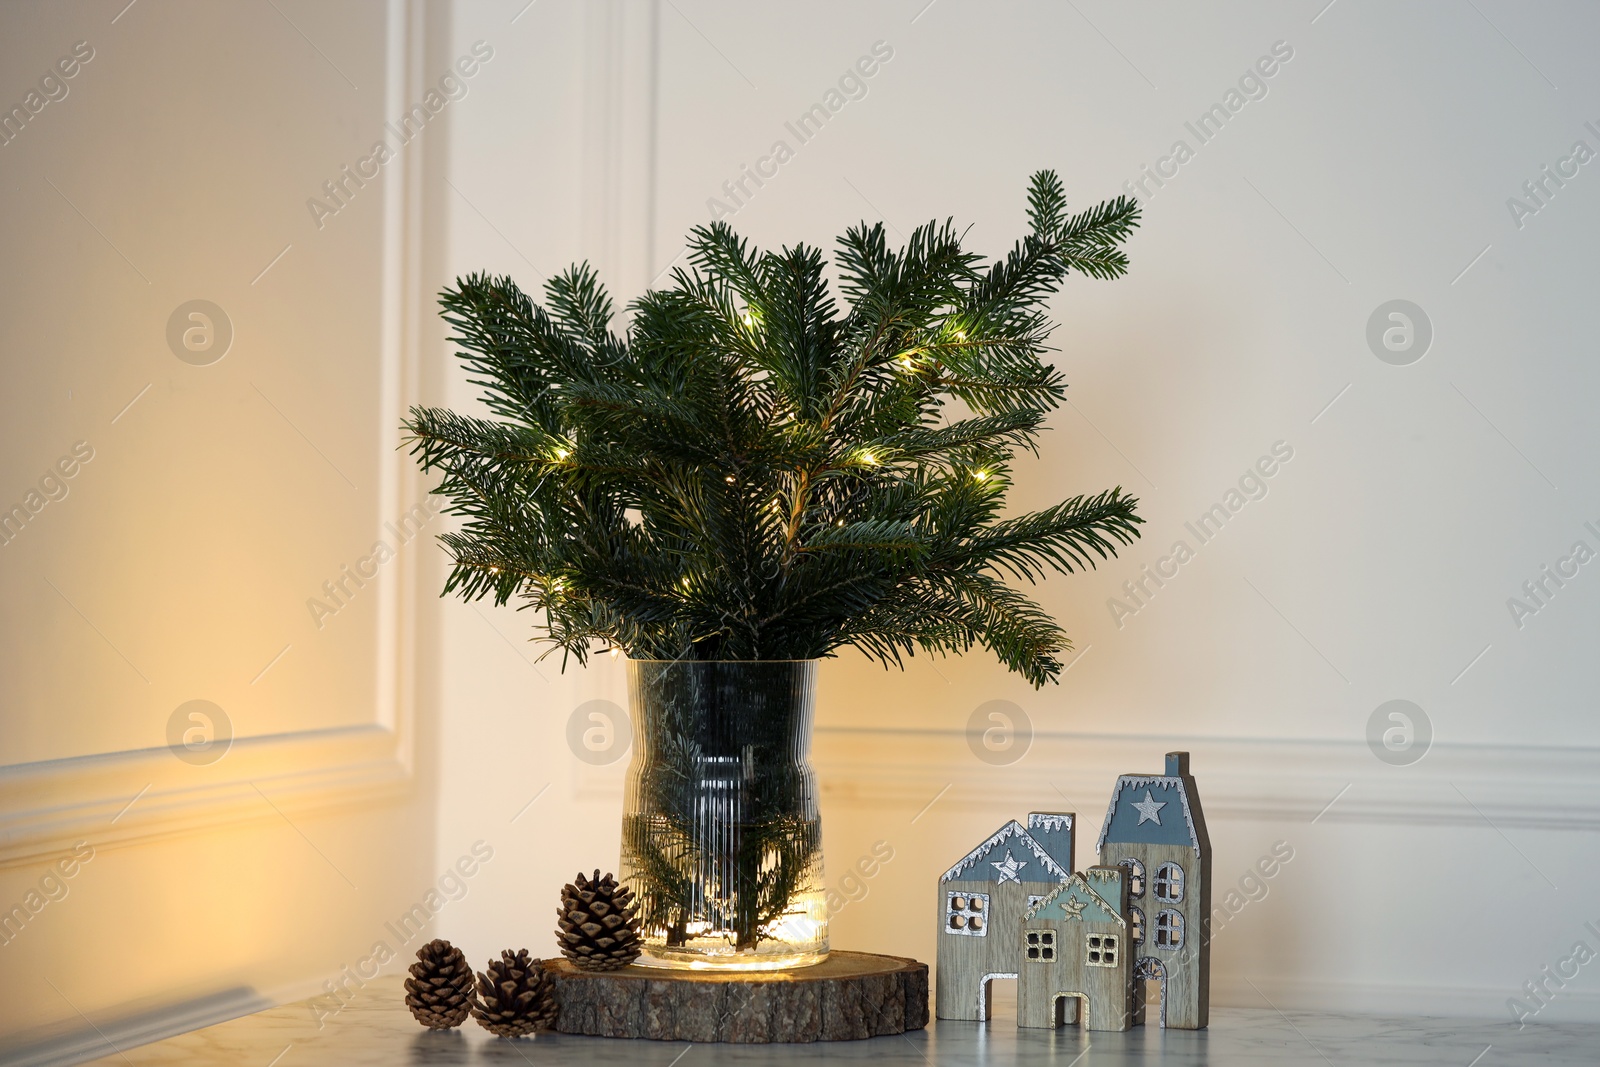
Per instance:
x=1377, y=167
x=181, y=562
x=522, y=190
x=1378, y=566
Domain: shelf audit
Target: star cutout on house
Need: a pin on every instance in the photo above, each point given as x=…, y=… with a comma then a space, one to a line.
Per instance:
x=1008, y=867
x=1149, y=809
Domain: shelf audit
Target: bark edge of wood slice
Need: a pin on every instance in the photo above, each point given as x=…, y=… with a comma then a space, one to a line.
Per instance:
x=847, y=997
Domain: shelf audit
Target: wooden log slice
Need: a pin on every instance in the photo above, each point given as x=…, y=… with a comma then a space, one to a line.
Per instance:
x=848, y=996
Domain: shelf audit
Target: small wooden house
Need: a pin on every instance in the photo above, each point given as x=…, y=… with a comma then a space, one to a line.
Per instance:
x=981, y=903
x=1076, y=961
x=1155, y=830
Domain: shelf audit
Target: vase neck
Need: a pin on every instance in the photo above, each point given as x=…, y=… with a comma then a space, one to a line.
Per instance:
x=726, y=709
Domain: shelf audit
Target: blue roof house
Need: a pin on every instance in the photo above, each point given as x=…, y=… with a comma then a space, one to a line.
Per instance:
x=1154, y=829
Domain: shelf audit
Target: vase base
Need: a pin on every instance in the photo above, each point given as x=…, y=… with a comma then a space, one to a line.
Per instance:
x=731, y=963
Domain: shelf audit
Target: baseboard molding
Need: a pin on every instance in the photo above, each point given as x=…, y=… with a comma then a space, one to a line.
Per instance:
x=1366, y=998
x=59, y=1047
x=62, y=1044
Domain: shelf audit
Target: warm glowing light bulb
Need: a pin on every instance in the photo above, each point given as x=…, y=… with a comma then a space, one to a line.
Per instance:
x=980, y=476
x=748, y=320
x=869, y=458
x=730, y=479
x=961, y=335
x=562, y=452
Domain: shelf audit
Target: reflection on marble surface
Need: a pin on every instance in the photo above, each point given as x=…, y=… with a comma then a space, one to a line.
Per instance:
x=376, y=1029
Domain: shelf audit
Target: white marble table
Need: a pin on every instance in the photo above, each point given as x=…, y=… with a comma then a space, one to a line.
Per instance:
x=376, y=1029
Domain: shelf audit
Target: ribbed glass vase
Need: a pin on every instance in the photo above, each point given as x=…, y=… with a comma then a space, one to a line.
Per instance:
x=721, y=836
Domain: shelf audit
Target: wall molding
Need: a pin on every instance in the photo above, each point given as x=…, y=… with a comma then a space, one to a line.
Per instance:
x=47, y=806
x=126, y=797
x=1545, y=787
x=1527, y=787
x=1535, y=787
x=621, y=43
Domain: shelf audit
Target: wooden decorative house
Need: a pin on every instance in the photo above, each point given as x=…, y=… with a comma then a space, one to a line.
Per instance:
x=1086, y=947
x=981, y=902
x=1155, y=830
x=1076, y=957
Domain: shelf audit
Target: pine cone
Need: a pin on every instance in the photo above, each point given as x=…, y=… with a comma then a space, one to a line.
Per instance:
x=599, y=924
x=515, y=996
x=439, y=991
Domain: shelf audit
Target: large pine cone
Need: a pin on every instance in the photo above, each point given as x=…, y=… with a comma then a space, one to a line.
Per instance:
x=439, y=991
x=599, y=924
x=515, y=996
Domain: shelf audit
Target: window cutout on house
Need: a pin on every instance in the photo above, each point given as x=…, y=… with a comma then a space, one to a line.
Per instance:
x=1136, y=925
x=1135, y=876
x=1102, y=950
x=1169, y=929
x=964, y=914
x=1168, y=883
x=1041, y=946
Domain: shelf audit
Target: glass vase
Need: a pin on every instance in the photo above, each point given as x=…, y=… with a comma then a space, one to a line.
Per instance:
x=721, y=835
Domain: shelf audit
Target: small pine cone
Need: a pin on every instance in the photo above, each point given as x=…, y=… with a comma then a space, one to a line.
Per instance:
x=439, y=991
x=515, y=996
x=599, y=928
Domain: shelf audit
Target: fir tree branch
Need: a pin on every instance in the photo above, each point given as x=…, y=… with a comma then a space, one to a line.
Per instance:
x=756, y=470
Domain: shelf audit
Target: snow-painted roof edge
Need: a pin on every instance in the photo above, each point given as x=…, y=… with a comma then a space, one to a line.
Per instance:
x=1050, y=820
x=1011, y=828
x=1076, y=876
